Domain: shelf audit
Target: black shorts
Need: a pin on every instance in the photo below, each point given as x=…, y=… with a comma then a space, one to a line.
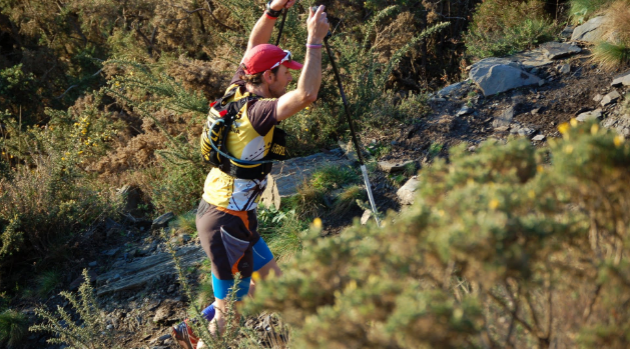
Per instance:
x=227, y=237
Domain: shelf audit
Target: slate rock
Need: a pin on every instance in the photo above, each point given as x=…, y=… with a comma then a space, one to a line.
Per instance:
x=610, y=98
x=591, y=31
x=567, y=31
x=132, y=197
x=595, y=114
x=555, y=50
x=538, y=138
x=390, y=167
x=406, y=193
x=598, y=98
x=496, y=75
x=162, y=221
x=456, y=90
x=505, y=119
x=564, y=69
x=535, y=111
x=465, y=111
x=623, y=79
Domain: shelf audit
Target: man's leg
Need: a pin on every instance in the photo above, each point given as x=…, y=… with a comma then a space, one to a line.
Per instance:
x=264, y=263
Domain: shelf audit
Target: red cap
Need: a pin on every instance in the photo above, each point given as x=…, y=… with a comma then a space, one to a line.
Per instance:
x=266, y=56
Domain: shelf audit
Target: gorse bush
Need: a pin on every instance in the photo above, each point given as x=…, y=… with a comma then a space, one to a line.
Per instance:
x=89, y=331
x=502, y=27
x=507, y=247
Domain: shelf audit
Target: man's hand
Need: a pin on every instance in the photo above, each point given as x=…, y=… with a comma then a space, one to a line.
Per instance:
x=317, y=25
x=278, y=5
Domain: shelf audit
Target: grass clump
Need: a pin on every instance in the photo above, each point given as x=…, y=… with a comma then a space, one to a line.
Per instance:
x=347, y=199
x=503, y=27
x=614, y=52
x=13, y=328
x=47, y=282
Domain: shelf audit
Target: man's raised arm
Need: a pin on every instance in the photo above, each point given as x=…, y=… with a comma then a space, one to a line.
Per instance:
x=264, y=27
x=311, y=76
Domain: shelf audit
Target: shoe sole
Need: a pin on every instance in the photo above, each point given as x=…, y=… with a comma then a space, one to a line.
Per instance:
x=181, y=340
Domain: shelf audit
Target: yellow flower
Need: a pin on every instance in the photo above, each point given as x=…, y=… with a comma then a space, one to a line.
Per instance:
x=76, y=124
x=531, y=194
x=317, y=222
x=255, y=276
x=63, y=159
x=81, y=152
x=573, y=122
x=494, y=203
x=540, y=169
x=619, y=139
x=594, y=129
x=568, y=149
x=308, y=108
x=563, y=127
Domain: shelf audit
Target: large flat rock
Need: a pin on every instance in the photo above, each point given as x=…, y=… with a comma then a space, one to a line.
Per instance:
x=496, y=75
x=591, y=31
x=143, y=271
x=555, y=50
x=622, y=79
x=289, y=174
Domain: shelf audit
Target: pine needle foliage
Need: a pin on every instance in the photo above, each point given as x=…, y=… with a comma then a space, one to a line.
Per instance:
x=13, y=328
x=87, y=332
x=507, y=247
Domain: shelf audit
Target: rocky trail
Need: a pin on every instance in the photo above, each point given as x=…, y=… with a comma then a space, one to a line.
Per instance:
x=526, y=95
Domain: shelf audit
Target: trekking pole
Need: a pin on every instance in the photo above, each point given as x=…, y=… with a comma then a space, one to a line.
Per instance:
x=284, y=17
x=366, y=179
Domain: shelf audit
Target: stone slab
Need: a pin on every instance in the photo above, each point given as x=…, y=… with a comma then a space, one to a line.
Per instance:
x=595, y=114
x=407, y=192
x=289, y=174
x=496, y=75
x=591, y=31
x=623, y=79
x=555, y=50
x=144, y=270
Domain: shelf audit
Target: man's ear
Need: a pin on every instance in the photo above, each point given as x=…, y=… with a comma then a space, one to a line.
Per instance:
x=269, y=76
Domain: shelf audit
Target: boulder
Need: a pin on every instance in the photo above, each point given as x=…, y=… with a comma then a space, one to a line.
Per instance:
x=406, y=193
x=595, y=114
x=623, y=79
x=610, y=98
x=555, y=50
x=591, y=31
x=496, y=75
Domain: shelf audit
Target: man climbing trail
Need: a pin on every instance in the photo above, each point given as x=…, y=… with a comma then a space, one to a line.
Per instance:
x=226, y=216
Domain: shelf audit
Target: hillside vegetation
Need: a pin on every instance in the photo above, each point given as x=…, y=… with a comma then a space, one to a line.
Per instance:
x=509, y=246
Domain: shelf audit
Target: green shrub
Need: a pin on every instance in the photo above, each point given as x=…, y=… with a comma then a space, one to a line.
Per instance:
x=89, y=331
x=501, y=27
x=507, y=247
x=13, y=328
x=582, y=10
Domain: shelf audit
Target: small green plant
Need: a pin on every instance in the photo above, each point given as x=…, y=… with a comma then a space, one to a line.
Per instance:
x=281, y=229
x=89, y=331
x=46, y=282
x=185, y=224
x=582, y=10
x=13, y=328
x=434, y=150
x=348, y=198
x=611, y=56
x=333, y=177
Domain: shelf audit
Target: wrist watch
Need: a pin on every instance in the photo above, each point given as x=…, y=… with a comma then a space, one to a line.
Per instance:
x=271, y=12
